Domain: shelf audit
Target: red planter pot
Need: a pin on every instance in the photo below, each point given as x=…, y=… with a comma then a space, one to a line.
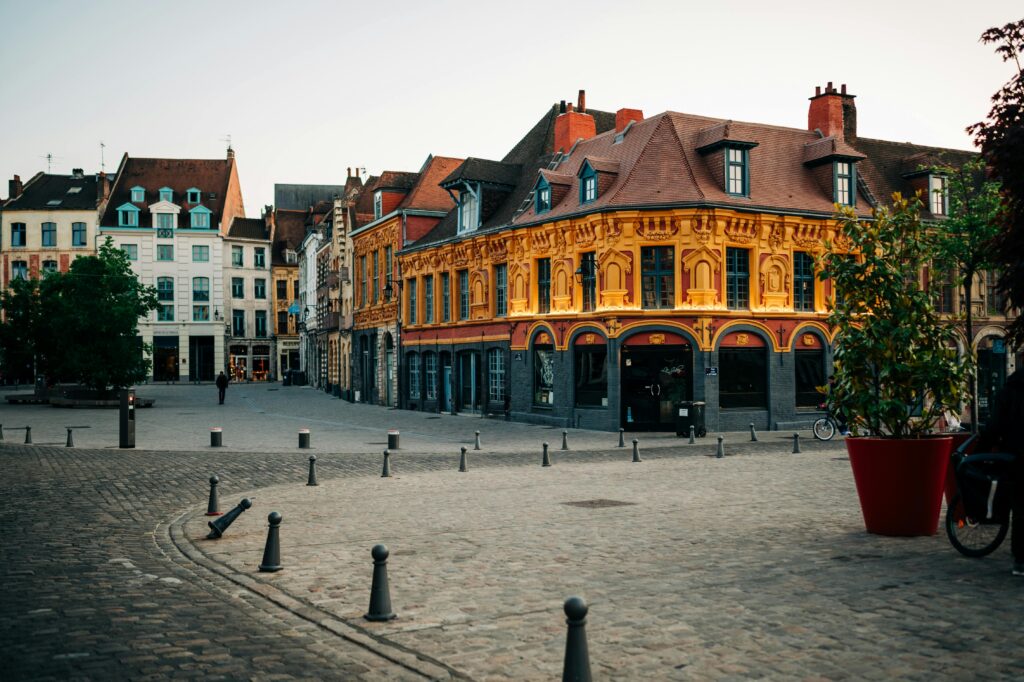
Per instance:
x=900, y=482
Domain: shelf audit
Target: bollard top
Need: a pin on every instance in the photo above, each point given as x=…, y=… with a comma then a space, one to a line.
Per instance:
x=274, y=518
x=394, y=431
x=387, y=453
x=477, y=433
x=312, y=458
x=303, y=430
x=635, y=441
x=721, y=438
x=796, y=435
x=214, y=480
x=216, y=429
x=379, y=552
x=463, y=448
x=245, y=503
x=575, y=608
x=622, y=430
x=545, y=443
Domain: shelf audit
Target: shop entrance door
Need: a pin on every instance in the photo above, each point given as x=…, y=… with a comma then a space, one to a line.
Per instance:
x=200, y=350
x=654, y=378
x=165, y=358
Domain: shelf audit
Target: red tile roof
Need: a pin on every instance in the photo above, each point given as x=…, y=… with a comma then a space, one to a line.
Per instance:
x=427, y=194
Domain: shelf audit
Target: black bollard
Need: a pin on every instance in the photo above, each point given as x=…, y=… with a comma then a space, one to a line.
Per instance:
x=693, y=432
x=462, y=459
x=380, y=594
x=545, y=460
x=71, y=441
x=1, y=433
x=796, y=443
x=386, y=473
x=636, y=450
x=622, y=438
x=476, y=446
x=753, y=433
x=213, y=506
x=28, y=435
x=577, y=658
x=272, y=550
x=304, y=439
x=216, y=437
x=565, y=440
x=721, y=448
x=312, y=471
x=218, y=527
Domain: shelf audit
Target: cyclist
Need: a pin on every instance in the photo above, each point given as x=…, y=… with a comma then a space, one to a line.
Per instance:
x=1004, y=434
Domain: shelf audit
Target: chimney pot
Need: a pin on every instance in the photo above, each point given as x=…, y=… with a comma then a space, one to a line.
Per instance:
x=817, y=91
x=568, y=107
x=843, y=88
x=581, y=102
x=14, y=187
x=829, y=88
x=561, y=107
x=624, y=116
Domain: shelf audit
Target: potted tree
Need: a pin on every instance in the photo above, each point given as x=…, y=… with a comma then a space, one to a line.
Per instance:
x=896, y=366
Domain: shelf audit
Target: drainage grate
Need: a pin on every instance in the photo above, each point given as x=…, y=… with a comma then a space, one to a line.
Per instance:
x=597, y=504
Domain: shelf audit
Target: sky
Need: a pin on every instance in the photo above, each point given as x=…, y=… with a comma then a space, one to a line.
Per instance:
x=307, y=89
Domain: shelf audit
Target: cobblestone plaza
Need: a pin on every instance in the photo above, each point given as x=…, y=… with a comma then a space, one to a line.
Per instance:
x=694, y=567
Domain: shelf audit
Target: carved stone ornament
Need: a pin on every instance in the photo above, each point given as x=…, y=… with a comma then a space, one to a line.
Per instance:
x=657, y=229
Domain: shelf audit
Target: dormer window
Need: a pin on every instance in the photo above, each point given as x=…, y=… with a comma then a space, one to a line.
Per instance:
x=845, y=176
x=469, y=209
x=193, y=195
x=165, y=221
x=200, y=216
x=737, y=176
x=138, y=195
x=588, y=184
x=938, y=193
x=127, y=216
x=542, y=197
x=167, y=194
x=378, y=204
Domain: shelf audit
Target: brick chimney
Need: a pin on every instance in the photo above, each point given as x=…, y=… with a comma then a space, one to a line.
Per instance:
x=624, y=116
x=231, y=153
x=574, y=125
x=14, y=187
x=833, y=113
x=102, y=187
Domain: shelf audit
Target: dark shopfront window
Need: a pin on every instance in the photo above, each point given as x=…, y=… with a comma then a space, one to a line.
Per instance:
x=810, y=373
x=544, y=375
x=743, y=377
x=590, y=364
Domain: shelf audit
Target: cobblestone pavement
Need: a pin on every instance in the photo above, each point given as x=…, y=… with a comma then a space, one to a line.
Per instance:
x=752, y=566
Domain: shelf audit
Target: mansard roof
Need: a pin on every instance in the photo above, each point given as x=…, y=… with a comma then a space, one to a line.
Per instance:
x=76, y=192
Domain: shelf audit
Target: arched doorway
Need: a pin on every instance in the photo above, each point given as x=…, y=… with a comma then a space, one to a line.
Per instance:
x=656, y=373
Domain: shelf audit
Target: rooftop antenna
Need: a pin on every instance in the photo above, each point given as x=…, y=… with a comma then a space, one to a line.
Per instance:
x=227, y=139
x=103, y=165
x=50, y=158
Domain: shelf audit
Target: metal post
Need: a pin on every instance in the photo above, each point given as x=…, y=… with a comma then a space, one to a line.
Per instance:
x=576, y=667
x=476, y=446
x=796, y=443
x=380, y=594
x=462, y=459
x=312, y=471
x=272, y=550
x=753, y=433
x=622, y=438
x=71, y=440
x=636, y=450
x=28, y=435
x=386, y=473
x=721, y=448
x=218, y=527
x=216, y=437
x=565, y=440
x=546, y=460
x=213, y=506
x=304, y=439
x=693, y=432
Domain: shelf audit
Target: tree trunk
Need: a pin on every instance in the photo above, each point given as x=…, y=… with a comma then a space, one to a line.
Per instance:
x=969, y=349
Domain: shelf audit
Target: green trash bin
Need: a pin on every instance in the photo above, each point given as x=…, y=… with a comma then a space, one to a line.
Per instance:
x=690, y=413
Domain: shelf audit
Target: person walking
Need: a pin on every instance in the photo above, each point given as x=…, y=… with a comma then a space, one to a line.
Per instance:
x=1004, y=434
x=222, y=385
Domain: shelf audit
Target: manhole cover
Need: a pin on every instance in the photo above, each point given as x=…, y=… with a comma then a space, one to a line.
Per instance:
x=597, y=504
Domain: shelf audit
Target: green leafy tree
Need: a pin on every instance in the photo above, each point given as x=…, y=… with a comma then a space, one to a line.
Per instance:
x=1001, y=139
x=964, y=242
x=20, y=328
x=91, y=329
x=895, y=355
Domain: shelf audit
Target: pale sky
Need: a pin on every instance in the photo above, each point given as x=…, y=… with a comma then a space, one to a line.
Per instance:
x=306, y=89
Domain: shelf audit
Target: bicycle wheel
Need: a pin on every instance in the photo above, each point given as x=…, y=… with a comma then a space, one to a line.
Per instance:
x=824, y=429
x=969, y=537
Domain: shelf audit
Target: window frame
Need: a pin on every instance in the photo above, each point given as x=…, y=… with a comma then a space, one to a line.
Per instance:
x=51, y=231
x=138, y=195
x=164, y=288
x=588, y=184
x=19, y=229
x=411, y=307
x=844, y=182
x=588, y=283
x=446, y=297
x=463, y=281
x=133, y=253
x=501, y=290
x=542, y=196
x=238, y=330
x=803, y=282
x=79, y=234
x=201, y=249
x=496, y=372
x=428, y=299
x=259, y=289
x=238, y=288
x=743, y=164
x=413, y=359
x=201, y=289
x=259, y=257
x=658, y=274
x=166, y=194
x=737, y=282
x=730, y=367
x=19, y=269
x=543, y=285
x=237, y=256
x=165, y=248
x=430, y=375
x=259, y=331
x=938, y=194
x=469, y=209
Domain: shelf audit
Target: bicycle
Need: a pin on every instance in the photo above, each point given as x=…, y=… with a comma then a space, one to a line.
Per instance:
x=978, y=516
x=825, y=427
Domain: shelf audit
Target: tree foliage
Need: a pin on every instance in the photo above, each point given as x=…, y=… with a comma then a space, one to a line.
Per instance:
x=895, y=356
x=1001, y=139
x=20, y=302
x=84, y=327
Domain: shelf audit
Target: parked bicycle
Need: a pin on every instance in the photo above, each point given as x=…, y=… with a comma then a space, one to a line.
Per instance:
x=978, y=516
x=826, y=427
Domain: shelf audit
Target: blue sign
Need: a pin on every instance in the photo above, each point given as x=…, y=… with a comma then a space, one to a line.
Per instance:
x=293, y=309
x=998, y=346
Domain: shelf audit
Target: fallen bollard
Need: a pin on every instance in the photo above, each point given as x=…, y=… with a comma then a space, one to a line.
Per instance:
x=693, y=432
x=753, y=433
x=272, y=550
x=218, y=527
x=622, y=438
x=796, y=443
x=312, y=471
x=304, y=439
x=213, y=506
x=386, y=473
x=721, y=448
x=545, y=460
x=462, y=459
x=380, y=593
x=636, y=450
x=565, y=440
x=576, y=667
x=476, y=446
